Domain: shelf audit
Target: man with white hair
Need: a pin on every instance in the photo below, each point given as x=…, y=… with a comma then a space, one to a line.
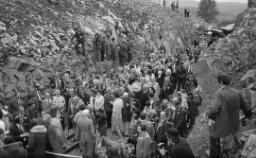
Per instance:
x=85, y=134
x=55, y=133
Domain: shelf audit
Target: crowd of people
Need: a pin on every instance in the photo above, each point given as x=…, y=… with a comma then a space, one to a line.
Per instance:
x=105, y=47
x=150, y=105
x=155, y=100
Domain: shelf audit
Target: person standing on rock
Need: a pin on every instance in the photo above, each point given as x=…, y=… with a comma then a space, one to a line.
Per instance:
x=129, y=50
x=122, y=53
x=103, y=48
x=96, y=47
x=173, y=6
x=164, y=3
x=185, y=12
x=108, y=43
x=224, y=119
x=197, y=53
x=112, y=50
x=188, y=12
x=38, y=100
x=80, y=41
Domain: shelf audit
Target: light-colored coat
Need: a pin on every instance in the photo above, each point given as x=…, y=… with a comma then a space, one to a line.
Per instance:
x=56, y=136
x=84, y=129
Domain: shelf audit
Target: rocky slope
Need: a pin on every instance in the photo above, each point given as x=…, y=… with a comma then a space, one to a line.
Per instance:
x=35, y=43
x=35, y=36
x=234, y=54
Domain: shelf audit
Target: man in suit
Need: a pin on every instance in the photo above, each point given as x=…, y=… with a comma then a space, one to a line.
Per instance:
x=38, y=100
x=223, y=116
x=85, y=134
x=179, y=115
x=17, y=130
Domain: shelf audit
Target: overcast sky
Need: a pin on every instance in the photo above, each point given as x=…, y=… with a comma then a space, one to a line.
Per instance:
x=238, y=1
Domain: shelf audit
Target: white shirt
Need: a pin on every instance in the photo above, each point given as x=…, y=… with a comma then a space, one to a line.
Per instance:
x=117, y=105
x=2, y=125
x=184, y=100
x=20, y=127
x=98, y=102
x=135, y=86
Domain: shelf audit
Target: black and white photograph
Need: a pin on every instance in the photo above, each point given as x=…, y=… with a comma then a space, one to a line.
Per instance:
x=127, y=78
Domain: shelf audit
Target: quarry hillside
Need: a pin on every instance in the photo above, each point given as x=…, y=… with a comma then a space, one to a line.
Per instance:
x=38, y=33
x=35, y=43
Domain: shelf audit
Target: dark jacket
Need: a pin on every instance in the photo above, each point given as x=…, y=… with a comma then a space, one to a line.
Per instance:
x=224, y=109
x=182, y=150
x=15, y=150
x=193, y=105
x=160, y=135
x=160, y=80
x=143, y=98
x=15, y=132
x=37, y=144
x=137, y=103
x=127, y=113
x=180, y=119
x=107, y=105
x=101, y=119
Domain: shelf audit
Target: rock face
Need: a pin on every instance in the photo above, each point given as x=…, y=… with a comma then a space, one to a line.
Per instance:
x=235, y=55
x=236, y=52
x=35, y=36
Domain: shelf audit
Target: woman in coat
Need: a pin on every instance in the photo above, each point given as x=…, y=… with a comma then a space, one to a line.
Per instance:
x=117, y=121
x=143, y=147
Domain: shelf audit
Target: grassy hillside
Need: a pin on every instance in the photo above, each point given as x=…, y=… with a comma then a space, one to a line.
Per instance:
x=228, y=11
